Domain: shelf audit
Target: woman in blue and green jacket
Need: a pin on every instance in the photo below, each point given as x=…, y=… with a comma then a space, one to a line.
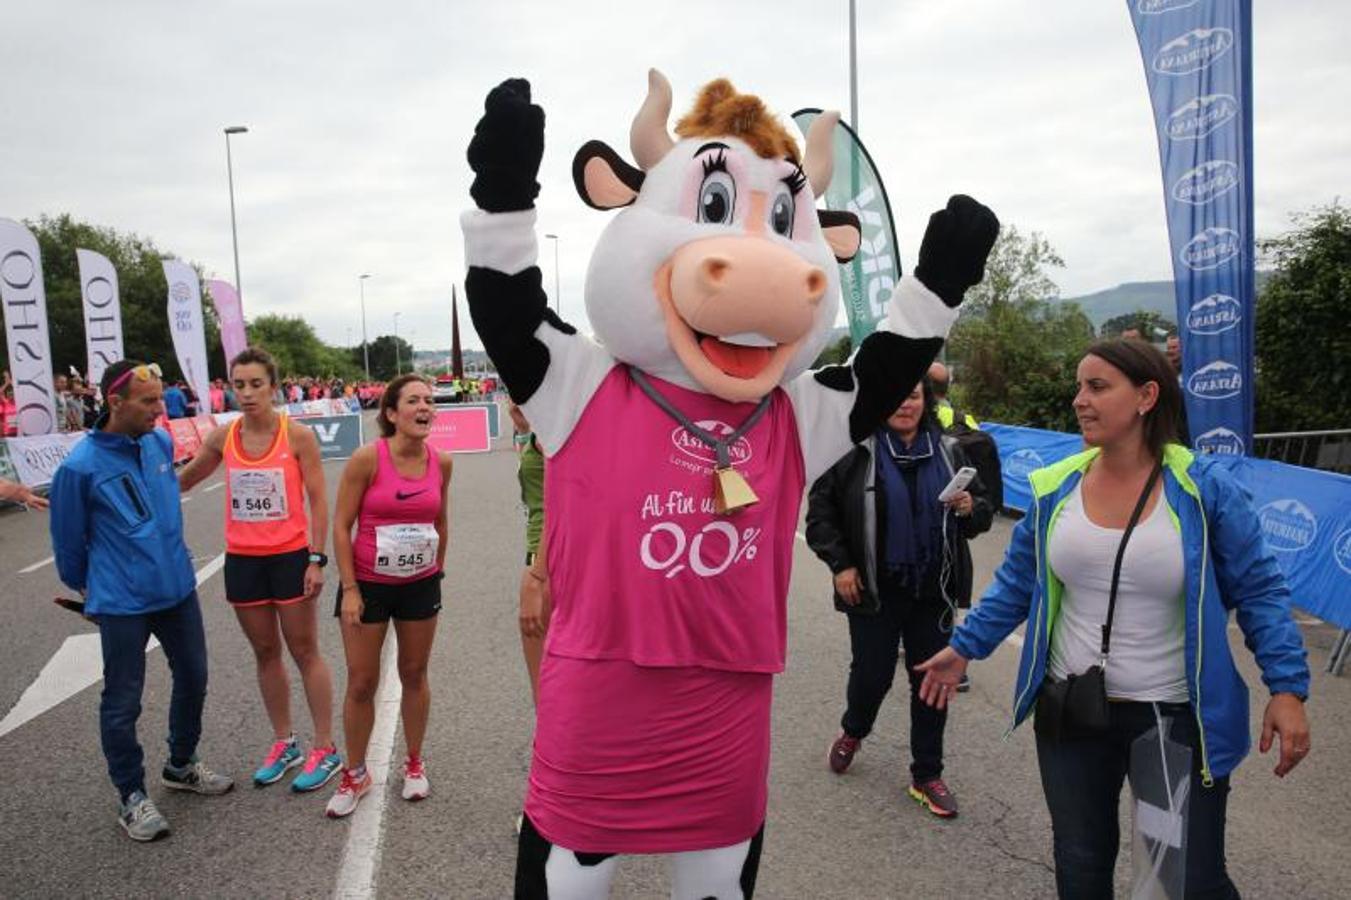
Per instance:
x=1196, y=555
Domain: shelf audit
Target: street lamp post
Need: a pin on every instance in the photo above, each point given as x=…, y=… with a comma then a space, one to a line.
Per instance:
x=558, y=297
x=398, y=361
x=230, y=173
x=365, y=347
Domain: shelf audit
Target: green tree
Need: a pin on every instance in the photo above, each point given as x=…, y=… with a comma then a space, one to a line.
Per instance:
x=1015, y=273
x=1014, y=348
x=298, y=350
x=141, y=288
x=1152, y=325
x=1303, y=342
x=384, y=357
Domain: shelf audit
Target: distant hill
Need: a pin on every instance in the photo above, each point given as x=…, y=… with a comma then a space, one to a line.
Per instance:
x=1151, y=296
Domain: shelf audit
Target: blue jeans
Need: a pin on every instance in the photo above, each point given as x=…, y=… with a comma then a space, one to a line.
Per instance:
x=179, y=630
x=1082, y=780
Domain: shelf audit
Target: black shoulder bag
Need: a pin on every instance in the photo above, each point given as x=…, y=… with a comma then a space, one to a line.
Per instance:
x=1077, y=706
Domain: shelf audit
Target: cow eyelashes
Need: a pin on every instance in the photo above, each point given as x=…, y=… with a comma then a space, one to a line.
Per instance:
x=796, y=180
x=716, y=163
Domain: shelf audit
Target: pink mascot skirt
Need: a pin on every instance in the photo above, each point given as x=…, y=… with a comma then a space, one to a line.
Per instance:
x=635, y=759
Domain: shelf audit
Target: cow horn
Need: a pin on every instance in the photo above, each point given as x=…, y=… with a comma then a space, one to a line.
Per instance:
x=819, y=161
x=648, y=137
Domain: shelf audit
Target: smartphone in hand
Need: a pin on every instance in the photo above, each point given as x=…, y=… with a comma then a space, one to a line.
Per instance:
x=958, y=483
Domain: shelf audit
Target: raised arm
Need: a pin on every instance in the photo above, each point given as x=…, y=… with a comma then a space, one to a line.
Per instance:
x=549, y=369
x=841, y=405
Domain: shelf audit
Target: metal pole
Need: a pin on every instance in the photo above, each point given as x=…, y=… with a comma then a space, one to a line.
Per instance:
x=853, y=67
x=365, y=347
x=234, y=231
x=398, y=362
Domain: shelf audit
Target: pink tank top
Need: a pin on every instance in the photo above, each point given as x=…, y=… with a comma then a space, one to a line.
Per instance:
x=643, y=569
x=396, y=526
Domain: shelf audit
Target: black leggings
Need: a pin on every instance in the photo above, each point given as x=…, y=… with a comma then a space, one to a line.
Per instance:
x=544, y=870
x=921, y=621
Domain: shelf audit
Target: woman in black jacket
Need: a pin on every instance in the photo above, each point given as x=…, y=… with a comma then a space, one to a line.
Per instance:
x=902, y=568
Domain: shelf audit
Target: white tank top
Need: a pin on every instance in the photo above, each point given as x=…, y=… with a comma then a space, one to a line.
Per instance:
x=1147, y=661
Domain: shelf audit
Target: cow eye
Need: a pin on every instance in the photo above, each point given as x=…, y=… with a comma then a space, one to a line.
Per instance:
x=717, y=198
x=781, y=213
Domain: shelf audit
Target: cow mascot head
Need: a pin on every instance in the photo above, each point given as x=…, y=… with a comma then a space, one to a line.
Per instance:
x=719, y=274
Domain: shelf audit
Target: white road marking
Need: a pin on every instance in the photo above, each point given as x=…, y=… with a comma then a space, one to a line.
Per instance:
x=213, y=487
x=361, y=854
x=37, y=565
x=184, y=499
x=76, y=665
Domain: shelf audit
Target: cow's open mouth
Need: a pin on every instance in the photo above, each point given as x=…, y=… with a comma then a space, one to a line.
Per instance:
x=743, y=355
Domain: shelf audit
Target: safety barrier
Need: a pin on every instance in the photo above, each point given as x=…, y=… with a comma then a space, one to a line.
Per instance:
x=1305, y=513
x=1326, y=450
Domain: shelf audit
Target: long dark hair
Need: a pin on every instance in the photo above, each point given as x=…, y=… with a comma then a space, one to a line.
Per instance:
x=1143, y=363
x=390, y=400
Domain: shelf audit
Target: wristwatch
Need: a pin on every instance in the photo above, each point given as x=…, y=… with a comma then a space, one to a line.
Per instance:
x=318, y=559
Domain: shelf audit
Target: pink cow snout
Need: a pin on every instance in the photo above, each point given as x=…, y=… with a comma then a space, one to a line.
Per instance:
x=734, y=284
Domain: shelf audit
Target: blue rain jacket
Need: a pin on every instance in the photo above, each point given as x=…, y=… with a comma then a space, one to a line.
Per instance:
x=117, y=524
x=1227, y=567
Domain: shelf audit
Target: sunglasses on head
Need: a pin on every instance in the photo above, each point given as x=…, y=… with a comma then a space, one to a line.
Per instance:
x=142, y=372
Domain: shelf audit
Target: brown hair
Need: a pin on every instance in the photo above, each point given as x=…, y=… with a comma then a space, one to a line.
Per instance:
x=258, y=356
x=1143, y=363
x=721, y=111
x=390, y=400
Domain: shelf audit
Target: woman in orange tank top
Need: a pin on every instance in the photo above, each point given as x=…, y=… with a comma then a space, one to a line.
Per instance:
x=274, y=560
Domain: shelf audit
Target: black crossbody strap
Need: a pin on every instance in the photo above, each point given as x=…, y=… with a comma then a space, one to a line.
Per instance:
x=718, y=445
x=1121, y=554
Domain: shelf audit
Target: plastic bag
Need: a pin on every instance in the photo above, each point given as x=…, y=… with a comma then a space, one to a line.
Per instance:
x=1160, y=779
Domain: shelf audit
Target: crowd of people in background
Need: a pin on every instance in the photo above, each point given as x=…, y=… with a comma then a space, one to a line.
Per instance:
x=78, y=404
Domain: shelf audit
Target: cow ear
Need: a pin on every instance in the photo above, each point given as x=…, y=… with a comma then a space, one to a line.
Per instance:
x=842, y=232
x=603, y=179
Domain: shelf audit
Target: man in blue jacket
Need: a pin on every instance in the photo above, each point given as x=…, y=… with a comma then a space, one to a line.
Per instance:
x=117, y=534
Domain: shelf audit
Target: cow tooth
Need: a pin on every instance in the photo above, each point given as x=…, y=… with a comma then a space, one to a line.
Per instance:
x=748, y=339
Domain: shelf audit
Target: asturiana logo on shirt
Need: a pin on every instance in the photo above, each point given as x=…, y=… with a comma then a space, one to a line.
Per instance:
x=1220, y=442
x=1197, y=118
x=1193, y=51
x=1156, y=7
x=1216, y=381
x=739, y=451
x=1289, y=525
x=1341, y=551
x=1207, y=181
x=1210, y=249
x=1214, y=314
x=1022, y=463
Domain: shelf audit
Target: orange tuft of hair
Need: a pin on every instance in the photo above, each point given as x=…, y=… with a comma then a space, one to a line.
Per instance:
x=720, y=111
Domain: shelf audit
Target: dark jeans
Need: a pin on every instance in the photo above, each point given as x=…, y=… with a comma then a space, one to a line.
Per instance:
x=915, y=618
x=179, y=630
x=1082, y=780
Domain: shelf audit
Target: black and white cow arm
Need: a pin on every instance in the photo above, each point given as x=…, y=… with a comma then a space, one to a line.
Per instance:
x=839, y=406
x=549, y=369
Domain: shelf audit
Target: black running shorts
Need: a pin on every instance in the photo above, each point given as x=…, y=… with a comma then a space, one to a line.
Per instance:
x=277, y=578
x=407, y=601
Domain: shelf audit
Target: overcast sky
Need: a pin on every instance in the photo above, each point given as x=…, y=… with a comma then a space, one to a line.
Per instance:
x=359, y=114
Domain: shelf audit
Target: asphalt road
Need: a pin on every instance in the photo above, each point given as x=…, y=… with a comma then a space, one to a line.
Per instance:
x=827, y=836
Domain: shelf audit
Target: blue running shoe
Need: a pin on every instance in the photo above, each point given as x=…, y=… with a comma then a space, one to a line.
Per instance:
x=321, y=765
x=283, y=755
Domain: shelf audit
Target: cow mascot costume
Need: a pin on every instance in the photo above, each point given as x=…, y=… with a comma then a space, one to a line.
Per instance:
x=679, y=442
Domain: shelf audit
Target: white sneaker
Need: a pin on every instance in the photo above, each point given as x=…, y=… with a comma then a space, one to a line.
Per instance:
x=415, y=784
x=349, y=793
x=141, y=820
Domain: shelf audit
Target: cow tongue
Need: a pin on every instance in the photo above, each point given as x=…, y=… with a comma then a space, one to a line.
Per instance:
x=734, y=359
